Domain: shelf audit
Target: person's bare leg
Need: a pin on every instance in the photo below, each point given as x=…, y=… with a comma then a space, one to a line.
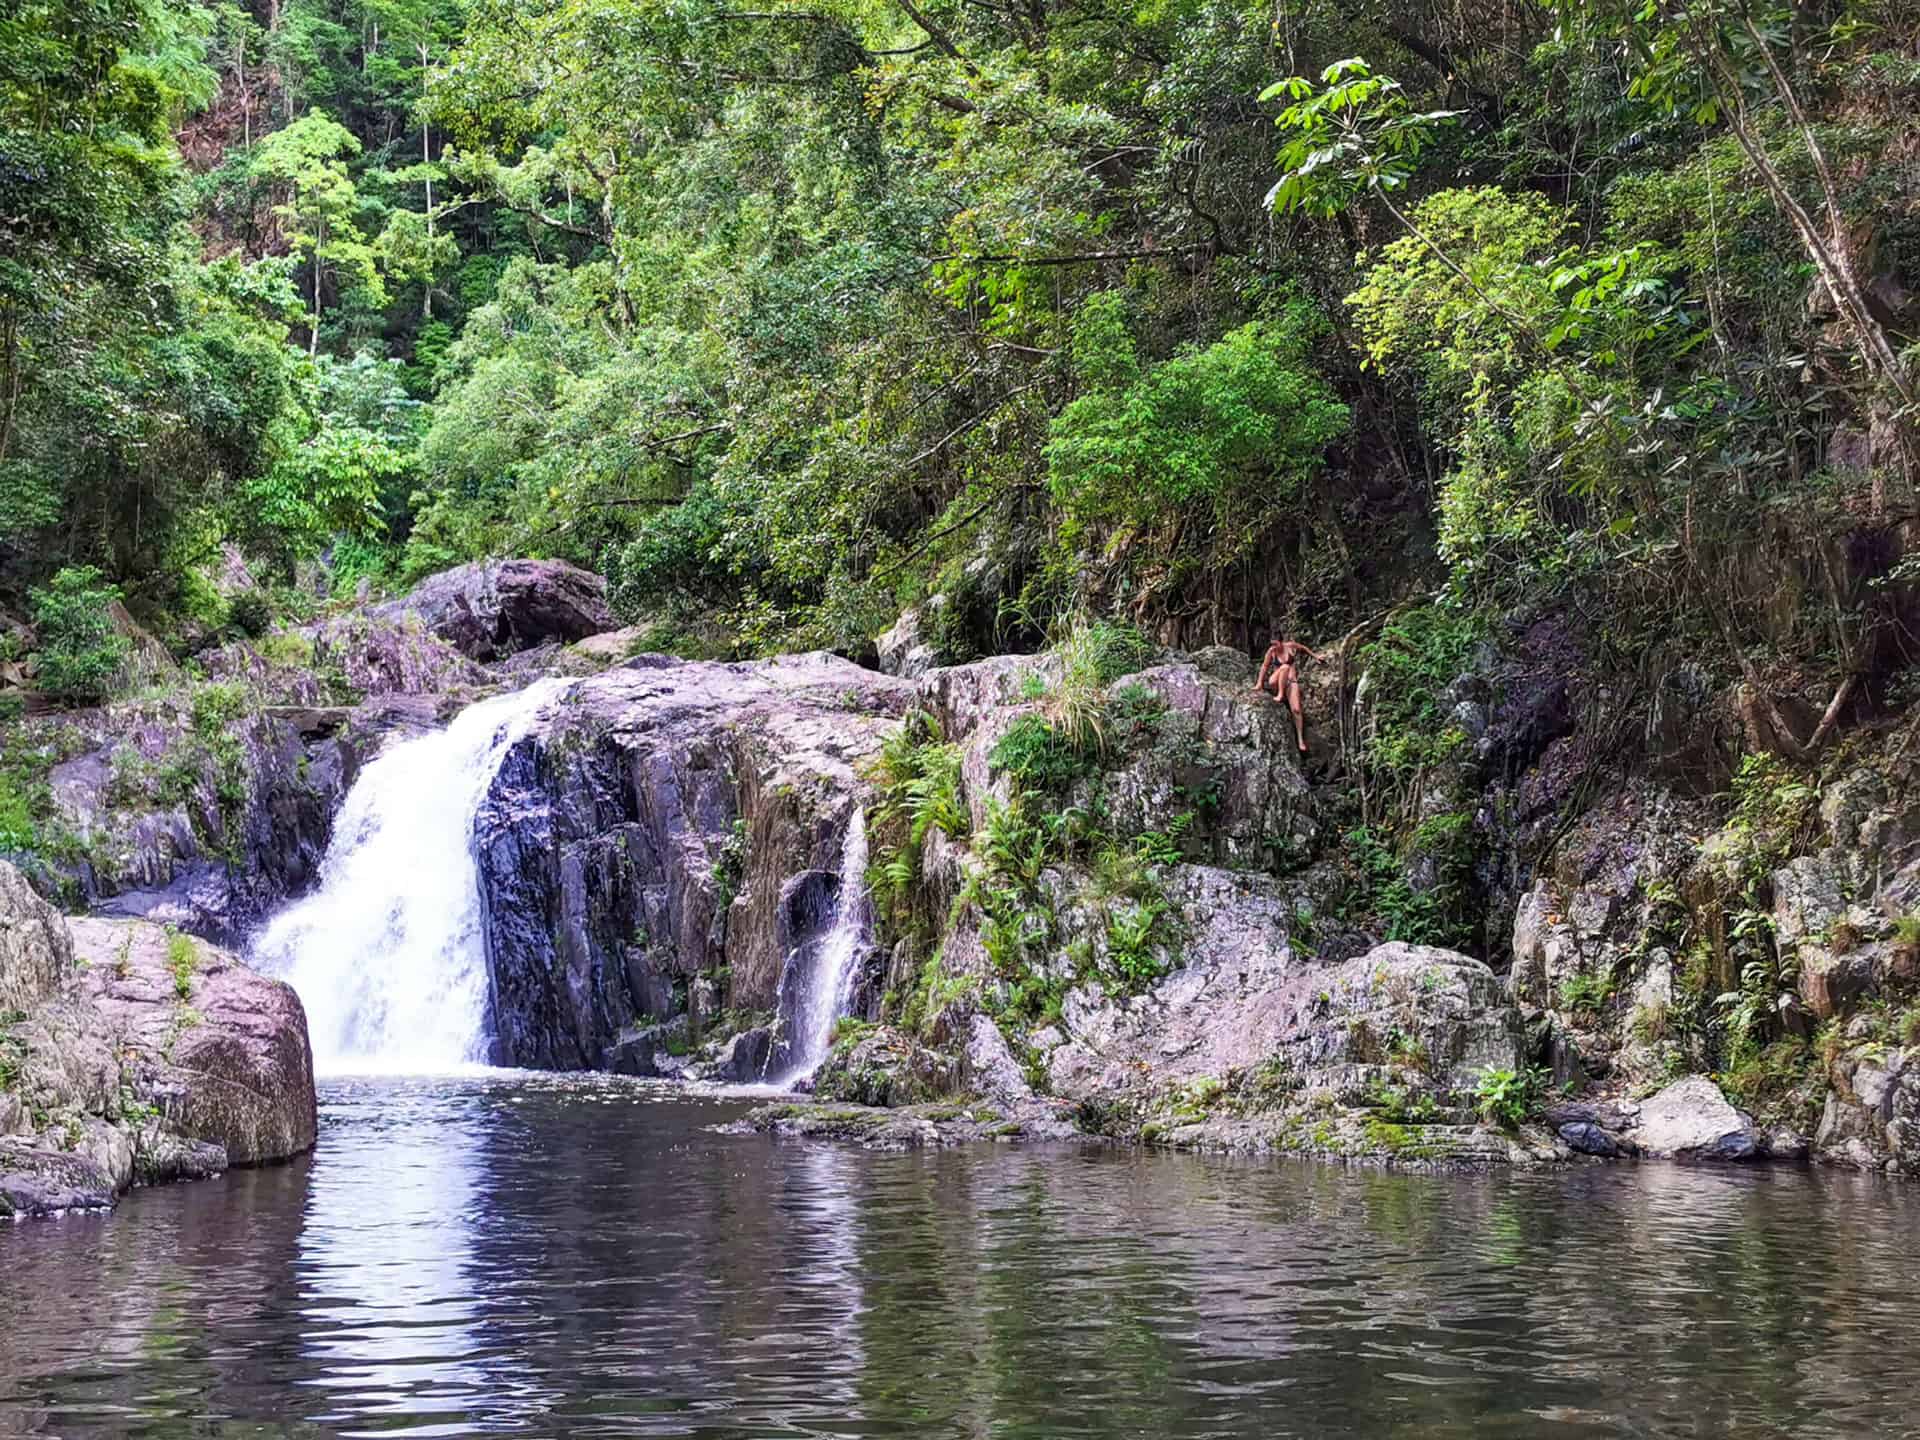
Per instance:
x=1299, y=717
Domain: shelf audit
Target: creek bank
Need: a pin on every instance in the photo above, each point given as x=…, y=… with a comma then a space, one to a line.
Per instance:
x=1105, y=882
x=130, y=1054
x=907, y=1127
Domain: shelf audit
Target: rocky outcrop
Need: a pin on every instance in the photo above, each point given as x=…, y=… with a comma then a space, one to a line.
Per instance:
x=134, y=1055
x=905, y=648
x=209, y=803
x=1397, y=1012
x=1692, y=1120
x=493, y=609
x=884, y=1067
x=188, y=814
x=649, y=835
x=1871, y=1120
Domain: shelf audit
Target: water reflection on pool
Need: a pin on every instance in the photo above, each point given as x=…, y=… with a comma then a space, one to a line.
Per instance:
x=585, y=1257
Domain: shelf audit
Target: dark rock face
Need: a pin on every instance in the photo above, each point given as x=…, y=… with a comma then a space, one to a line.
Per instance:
x=745, y=1057
x=660, y=825
x=236, y=847
x=490, y=610
x=135, y=1061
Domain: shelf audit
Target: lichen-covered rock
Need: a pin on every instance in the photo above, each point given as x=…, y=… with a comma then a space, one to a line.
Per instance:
x=36, y=1182
x=227, y=1062
x=1224, y=754
x=914, y=1127
x=201, y=806
x=137, y=1055
x=987, y=1066
x=492, y=609
x=1872, y=1115
x=36, y=953
x=373, y=655
x=886, y=1068
x=1335, y=1029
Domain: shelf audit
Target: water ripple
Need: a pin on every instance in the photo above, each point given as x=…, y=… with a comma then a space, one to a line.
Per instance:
x=581, y=1256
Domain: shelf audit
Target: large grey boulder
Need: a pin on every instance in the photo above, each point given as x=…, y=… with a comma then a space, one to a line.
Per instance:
x=1692, y=1120
x=492, y=609
x=228, y=1061
x=1336, y=1029
x=905, y=649
x=137, y=1055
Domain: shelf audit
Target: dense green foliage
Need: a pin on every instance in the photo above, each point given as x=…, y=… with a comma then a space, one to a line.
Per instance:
x=80, y=653
x=1218, y=319
x=789, y=317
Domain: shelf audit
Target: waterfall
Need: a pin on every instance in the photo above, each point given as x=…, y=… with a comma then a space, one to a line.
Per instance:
x=388, y=954
x=816, y=986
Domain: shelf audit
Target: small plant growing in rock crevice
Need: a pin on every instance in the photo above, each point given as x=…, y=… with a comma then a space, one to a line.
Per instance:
x=1506, y=1097
x=730, y=866
x=183, y=959
x=1133, y=947
x=1092, y=657
x=1037, y=756
x=1585, y=994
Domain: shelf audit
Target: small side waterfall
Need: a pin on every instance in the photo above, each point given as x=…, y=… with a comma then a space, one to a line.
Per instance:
x=817, y=986
x=388, y=955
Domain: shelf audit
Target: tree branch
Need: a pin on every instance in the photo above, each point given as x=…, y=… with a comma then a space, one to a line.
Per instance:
x=934, y=33
x=1092, y=258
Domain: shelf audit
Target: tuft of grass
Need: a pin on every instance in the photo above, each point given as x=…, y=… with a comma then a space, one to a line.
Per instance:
x=17, y=831
x=183, y=959
x=1586, y=994
x=1092, y=657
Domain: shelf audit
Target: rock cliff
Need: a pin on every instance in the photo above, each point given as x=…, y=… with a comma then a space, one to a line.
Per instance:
x=1107, y=886
x=658, y=847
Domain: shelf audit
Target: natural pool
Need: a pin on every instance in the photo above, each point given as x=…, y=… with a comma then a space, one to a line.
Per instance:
x=585, y=1257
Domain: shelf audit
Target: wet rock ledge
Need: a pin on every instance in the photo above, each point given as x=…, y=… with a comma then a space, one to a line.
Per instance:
x=133, y=1055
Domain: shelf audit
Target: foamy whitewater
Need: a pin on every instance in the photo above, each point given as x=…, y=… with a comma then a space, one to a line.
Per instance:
x=388, y=954
x=825, y=986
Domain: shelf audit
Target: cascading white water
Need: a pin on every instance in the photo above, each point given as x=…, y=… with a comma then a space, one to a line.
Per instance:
x=388, y=955
x=821, y=994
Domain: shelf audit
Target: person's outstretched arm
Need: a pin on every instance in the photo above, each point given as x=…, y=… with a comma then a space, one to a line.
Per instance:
x=1266, y=668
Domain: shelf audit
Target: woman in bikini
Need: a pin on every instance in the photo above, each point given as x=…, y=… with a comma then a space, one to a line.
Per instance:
x=1280, y=678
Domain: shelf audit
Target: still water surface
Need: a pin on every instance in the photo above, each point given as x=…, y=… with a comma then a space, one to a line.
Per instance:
x=584, y=1257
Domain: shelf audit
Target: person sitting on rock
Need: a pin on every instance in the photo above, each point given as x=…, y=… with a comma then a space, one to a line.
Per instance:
x=1280, y=678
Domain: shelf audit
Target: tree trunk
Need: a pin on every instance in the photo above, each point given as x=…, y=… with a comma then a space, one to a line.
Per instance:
x=313, y=331
x=426, y=158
